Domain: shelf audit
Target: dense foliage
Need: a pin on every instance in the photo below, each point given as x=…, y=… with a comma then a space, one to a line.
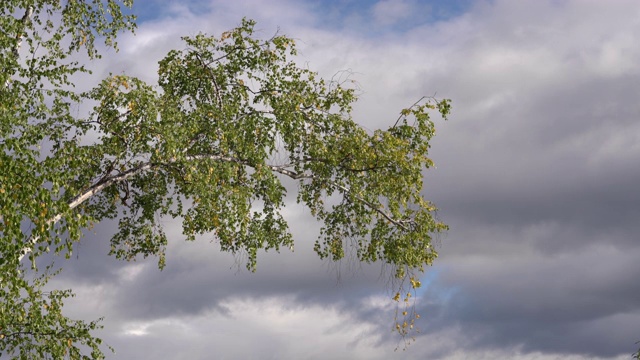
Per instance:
x=229, y=120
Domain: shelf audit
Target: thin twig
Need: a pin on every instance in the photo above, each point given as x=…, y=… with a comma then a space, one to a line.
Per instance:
x=19, y=37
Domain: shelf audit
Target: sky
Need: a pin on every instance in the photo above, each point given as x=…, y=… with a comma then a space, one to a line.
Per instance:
x=536, y=174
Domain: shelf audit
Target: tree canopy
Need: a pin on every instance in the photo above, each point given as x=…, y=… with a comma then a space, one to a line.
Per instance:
x=230, y=118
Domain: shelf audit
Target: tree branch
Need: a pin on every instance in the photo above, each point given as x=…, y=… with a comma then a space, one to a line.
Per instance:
x=281, y=169
x=84, y=196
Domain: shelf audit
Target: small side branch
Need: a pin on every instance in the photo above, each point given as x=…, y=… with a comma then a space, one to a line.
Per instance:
x=15, y=50
x=20, y=35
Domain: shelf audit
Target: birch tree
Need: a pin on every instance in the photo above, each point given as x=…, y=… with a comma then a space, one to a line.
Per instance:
x=230, y=119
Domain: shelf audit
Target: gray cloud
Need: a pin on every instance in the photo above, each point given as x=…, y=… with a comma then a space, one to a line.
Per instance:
x=536, y=174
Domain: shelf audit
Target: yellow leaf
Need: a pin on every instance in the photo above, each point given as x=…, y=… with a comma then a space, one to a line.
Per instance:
x=84, y=38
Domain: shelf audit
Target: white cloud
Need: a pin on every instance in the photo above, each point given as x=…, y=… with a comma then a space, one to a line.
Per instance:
x=272, y=328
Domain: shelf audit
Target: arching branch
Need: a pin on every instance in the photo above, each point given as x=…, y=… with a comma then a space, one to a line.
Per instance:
x=107, y=181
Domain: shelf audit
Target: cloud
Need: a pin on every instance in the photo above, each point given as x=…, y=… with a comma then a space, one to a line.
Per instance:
x=536, y=174
x=387, y=12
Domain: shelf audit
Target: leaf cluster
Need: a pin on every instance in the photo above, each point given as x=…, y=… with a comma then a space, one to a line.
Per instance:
x=33, y=326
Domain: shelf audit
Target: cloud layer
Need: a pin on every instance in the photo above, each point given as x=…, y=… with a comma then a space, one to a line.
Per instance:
x=536, y=175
